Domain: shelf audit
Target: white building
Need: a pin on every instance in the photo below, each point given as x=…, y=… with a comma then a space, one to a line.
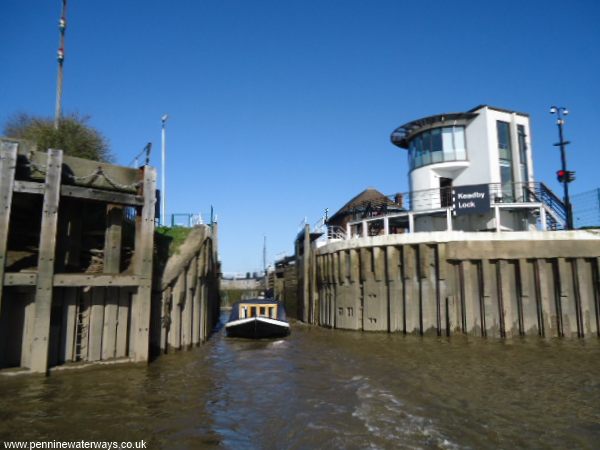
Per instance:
x=484, y=146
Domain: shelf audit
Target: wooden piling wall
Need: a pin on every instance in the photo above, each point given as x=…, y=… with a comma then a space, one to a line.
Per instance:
x=496, y=285
x=77, y=271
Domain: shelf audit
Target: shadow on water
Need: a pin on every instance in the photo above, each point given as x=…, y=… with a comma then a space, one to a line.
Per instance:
x=321, y=388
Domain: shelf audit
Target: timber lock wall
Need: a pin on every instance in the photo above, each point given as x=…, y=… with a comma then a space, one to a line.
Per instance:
x=483, y=284
x=78, y=280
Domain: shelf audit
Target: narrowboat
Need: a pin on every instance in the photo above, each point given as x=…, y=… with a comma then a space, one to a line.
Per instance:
x=257, y=318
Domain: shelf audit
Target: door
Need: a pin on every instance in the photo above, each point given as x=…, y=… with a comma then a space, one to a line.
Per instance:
x=445, y=192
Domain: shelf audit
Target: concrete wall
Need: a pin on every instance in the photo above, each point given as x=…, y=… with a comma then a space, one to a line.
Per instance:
x=482, y=284
x=186, y=303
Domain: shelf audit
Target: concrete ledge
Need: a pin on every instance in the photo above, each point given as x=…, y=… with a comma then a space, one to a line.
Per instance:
x=440, y=237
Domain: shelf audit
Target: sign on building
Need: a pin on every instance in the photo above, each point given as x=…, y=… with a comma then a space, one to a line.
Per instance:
x=474, y=199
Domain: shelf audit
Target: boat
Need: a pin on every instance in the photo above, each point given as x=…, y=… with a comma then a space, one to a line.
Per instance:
x=257, y=318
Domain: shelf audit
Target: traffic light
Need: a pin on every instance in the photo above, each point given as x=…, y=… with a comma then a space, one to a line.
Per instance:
x=565, y=175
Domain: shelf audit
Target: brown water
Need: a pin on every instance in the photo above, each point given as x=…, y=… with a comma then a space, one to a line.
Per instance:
x=320, y=388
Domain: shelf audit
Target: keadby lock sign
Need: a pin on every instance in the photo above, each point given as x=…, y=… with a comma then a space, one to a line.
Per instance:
x=474, y=199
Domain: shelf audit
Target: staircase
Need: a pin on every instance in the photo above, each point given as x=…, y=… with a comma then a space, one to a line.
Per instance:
x=556, y=211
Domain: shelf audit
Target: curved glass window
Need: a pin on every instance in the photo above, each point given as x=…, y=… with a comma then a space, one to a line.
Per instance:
x=437, y=145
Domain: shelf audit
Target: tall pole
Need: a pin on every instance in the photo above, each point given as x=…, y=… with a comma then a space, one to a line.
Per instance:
x=163, y=193
x=560, y=121
x=62, y=26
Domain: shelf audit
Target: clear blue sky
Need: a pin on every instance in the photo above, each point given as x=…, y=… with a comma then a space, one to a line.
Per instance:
x=279, y=109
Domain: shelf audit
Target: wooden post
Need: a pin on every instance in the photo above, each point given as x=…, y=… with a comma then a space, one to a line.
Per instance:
x=8, y=164
x=47, y=247
x=143, y=252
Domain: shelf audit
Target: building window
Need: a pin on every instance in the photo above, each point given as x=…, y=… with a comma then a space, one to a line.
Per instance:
x=523, y=153
x=505, y=156
x=437, y=145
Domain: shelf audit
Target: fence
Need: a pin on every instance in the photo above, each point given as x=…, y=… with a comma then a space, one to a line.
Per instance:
x=586, y=208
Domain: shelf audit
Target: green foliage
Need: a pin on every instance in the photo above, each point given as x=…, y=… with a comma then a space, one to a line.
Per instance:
x=177, y=235
x=74, y=136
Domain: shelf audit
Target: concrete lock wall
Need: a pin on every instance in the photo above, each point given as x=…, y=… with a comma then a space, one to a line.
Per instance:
x=482, y=284
x=186, y=302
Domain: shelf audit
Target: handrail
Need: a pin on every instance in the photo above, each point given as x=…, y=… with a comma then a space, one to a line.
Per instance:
x=441, y=198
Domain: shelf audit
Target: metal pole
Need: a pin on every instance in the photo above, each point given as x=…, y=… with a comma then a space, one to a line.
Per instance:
x=62, y=26
x=560, y=111
x=163, y=194
x=563, y=159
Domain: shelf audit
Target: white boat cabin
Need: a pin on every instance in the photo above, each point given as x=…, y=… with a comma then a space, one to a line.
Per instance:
x=268, y=310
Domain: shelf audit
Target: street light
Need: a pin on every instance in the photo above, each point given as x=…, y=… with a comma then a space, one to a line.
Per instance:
x=561, y=111
x=163, y=195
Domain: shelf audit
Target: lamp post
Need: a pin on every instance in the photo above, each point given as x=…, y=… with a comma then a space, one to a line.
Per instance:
x=163, y=195
x=561, y=111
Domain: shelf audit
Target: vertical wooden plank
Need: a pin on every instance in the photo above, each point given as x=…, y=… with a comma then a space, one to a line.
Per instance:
x=144, y=250
x=69, y=324
x=96, y=324
x=123, y=313
x=8, y=164
x=47, y=248
x=111, y=317
x=28, y=328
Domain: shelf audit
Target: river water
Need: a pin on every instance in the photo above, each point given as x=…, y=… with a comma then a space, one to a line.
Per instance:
x=322, y=388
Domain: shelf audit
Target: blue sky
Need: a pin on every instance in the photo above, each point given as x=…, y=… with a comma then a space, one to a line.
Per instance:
x=279, y=109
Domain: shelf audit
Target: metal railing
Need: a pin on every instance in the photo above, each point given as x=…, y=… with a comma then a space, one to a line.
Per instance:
x=425, y=200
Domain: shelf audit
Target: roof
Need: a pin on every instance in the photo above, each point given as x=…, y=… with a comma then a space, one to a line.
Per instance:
x=401, y=135
x=369, y=195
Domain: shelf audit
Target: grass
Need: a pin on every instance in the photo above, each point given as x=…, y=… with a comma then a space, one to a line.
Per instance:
x=176, y=235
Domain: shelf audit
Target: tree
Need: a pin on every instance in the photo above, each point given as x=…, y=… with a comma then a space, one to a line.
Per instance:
x=74, y=136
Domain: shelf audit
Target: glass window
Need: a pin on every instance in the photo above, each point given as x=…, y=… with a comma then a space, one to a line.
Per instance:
x=437, y=145
x=504, y=140
x=448, y=144
x=458, y=133
x=522, y=152
x=506, y=178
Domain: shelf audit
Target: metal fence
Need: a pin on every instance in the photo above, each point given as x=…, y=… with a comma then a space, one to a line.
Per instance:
x=586, y=209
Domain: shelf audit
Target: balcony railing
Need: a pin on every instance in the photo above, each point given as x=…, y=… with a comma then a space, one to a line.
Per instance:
x=439, y=201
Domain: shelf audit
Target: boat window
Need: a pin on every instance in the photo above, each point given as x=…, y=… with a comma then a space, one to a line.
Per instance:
x=253, y=311
x=243, y=312
x=263, y=311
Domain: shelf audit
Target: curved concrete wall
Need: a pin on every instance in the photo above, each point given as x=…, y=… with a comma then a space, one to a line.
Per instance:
x=485, y=284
